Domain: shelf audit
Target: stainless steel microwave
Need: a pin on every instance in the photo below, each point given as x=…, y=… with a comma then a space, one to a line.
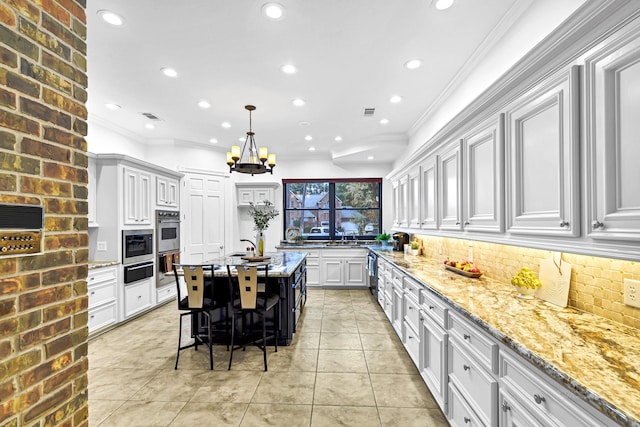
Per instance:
x=137, y=246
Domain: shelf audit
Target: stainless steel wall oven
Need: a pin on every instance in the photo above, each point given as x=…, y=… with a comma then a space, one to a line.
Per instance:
x=168, y=253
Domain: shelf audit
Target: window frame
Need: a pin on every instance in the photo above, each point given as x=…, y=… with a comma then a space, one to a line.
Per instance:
x=333, y=233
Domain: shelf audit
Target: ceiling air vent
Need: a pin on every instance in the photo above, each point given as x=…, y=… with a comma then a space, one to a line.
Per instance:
x=151, y=116
x=368, y=112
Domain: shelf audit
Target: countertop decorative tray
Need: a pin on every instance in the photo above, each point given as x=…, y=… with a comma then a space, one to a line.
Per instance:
x=255, y=258
x=462, y=272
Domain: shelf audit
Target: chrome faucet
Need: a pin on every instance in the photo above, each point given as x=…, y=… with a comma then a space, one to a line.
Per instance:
x=250, y=242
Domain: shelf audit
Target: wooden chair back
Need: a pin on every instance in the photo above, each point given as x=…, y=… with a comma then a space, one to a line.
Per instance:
x=248, y=286
x=194, y=279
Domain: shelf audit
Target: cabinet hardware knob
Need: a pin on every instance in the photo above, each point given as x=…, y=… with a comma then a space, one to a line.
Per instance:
x=564, y=224
x=466, y=367
x=92, y=316
x=431, y=307
x=466, y=223
x=467, y=420
x=597, y=224
x=93, y=292
x=539, y=399
x=457, y=222
x=467, y=336
x=505, y=406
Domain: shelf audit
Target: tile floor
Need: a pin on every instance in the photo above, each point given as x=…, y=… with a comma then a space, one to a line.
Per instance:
x=345, y=367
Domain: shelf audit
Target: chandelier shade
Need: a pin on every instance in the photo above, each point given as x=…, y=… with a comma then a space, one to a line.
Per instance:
x=250, y=159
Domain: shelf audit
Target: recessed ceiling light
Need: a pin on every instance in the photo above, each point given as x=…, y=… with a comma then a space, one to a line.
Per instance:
x=370, y=158
x=298, y=102
x=225, y=125
x=312, y=148
x=384, y=121
x=273, y=11
x=169, y=72
x=308, y=138
x=111, y=18
x=395, y=99
x=213, y=141
x=338, y=138
x=304, y=123
x=204, y=104
x=442, y=4
x=149, y=126
x=241, y=138
x=289, y=69
x=112, y=106
x=412, y=64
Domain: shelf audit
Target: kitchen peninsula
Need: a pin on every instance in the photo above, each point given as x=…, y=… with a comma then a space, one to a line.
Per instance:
x=485, y=353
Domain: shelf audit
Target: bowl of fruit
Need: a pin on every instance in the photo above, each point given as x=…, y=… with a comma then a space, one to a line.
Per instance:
x=464, y=268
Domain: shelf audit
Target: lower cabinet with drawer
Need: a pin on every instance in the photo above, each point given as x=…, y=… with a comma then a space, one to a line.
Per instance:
x=137, y=296
x=433, y=359
x=103, y=301
x=411, y=325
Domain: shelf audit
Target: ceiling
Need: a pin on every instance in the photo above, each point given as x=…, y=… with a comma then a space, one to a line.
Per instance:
x=349, y=55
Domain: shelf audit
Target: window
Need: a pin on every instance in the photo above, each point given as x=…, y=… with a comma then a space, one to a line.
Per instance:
x=334, y=208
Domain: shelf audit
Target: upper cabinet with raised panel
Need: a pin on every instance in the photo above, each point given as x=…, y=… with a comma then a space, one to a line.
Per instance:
x=450, y=182
x=542, y=158
x=137, y=197
x=414, y=198
x=612, y=77
x=484, y=177
x=255, y=193
x=167, y=192
x=429, y=194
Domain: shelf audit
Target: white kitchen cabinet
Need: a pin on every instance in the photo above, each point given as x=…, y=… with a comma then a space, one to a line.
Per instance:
x=167, y=192
x=102, y=291
x=396, y=298
x=484, y=182
x=542, y=158
x=450, y=191
x=460, y=413
x=255, y=193
x=411, y=320
x=414, y=198
x=429, y=194
x=343, y=268
x=137, y=296
x=313, y=263
x=513, y=414
x=612, y=77
x=395, y=185
x=136, y=197
x=433, y=359
x=166, y=293
x=403, y=193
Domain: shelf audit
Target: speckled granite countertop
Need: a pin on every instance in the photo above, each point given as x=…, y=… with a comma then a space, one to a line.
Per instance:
x=99, y=264
x=597, y=358
x=281, y=264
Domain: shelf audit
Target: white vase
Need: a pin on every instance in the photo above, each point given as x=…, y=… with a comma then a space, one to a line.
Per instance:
x=525, y=293
x=260, y=243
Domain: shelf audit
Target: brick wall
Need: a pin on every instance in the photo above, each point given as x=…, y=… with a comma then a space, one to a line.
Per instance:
x=43, y=161
x=596, y=283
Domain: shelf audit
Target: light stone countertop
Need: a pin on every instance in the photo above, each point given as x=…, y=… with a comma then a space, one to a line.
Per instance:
x=598, y=359
x=99, y=264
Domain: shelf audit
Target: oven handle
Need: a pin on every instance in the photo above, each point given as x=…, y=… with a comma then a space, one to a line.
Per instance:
x=137, y=267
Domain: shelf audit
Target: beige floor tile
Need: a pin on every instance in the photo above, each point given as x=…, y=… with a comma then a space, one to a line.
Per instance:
x=339, y=325
x=311, y=313
x=412, y=417
x=338, y=311
x=340, y=341
x=99, y=410
x=388, y=341
x=341, y=361
x=310, y=325
x=390, y=362
x=172, y=386
x=228, y=386
x=372, y=326
x=209, y=414
x=117, y=384
x=401, y=391
x=252, y=359
x=285, y=387
x=353, y=416
x=144, y=414
x=294, y=359
x=339, y=389
x=260, y=414
x=306, y=339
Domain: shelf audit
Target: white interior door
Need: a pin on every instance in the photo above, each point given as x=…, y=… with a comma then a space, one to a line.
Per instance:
x=202, y=225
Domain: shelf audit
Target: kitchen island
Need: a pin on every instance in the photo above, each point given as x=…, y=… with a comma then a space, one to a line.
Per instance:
x=576, y=358
x=287, y=277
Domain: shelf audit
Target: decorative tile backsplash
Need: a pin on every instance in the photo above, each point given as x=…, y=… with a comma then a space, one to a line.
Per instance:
x=596, y=283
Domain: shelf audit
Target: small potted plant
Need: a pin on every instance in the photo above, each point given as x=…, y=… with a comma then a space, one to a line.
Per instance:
x=526, y=283
x=384, y=239
x=414, y=247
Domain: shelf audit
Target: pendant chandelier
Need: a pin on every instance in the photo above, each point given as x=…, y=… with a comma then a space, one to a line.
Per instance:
x=256, y=161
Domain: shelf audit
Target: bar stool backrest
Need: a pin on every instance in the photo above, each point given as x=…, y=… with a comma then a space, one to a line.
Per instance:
x=248, y=284
x=194, y=279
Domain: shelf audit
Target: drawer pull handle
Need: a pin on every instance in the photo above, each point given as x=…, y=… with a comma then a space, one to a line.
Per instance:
x=431, y=307
x=505, y=406
x=93, y=315
x=468, y=368
x=538, y=399
x=597, y=224
x=410, y=308
x=93, y=292
x=467, y=420
x=467, y=336
x=564, y=224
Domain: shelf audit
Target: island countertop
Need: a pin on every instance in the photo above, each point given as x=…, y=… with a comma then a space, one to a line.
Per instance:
x=281, y=264
x=594, y=357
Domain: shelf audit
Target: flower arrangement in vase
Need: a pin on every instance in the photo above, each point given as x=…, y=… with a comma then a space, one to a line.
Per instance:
x=526, y=283
x=261, y=215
